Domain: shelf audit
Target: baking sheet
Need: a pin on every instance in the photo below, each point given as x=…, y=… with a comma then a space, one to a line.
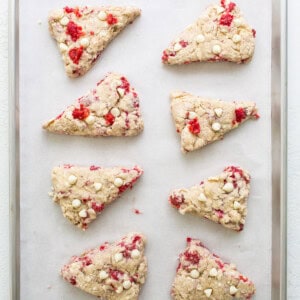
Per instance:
x=48, y=240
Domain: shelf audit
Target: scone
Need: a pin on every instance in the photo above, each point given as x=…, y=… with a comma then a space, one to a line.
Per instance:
x=82, y=33
x=202, y=275
x=201, y=121
x=112, y=271
x=112, y=108
x=220, y=34
x=221, y=199
x=84, y=192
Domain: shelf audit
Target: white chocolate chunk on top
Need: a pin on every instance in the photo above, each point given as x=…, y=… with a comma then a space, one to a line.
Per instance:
x=195, y=274
x=218, y=112
x=64, y=21
x=83, y=213
x=233, y=290
x=213, y=272
x=216, y=49
x=135, y=253
x=103, y=275
x=118, y=182
x=118, y=257
x=76, y=203
x=127, y=284
x=208, y=292
x=200, y=38
x=72, y=179
x=102, y=15
x=97, y=186
x=228, y=187
x=216, y=126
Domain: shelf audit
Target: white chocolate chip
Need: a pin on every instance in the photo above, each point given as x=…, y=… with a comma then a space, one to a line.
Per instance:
x=118, y=182
x=121, y=92
x=84, y=42
x=103, y=33
x=213, y=272
x=64, y=21
x=63, y=47
x=218, y=112
x=97, y=186
x=135, y=253
x=76, y=203
x=92, y=213
x=90, y=120
x=118, y=257
x=119, y=290
x=200, y=38
x=236, y=38
x=202, y=197
x=233, y=290
x=236, y=205
x=115, y=83
x=83, y=213
x=177, y=47
x=216, y=126
x=72, y=179
x=195, y=274
x=220, y=9
x=228, y=187
x=192, y=115
x=237, y=22
x=102, y=15
x=103, y=275
x=115, y=111
x=127, y=284
x=58, y=14
x=208, y=292
x=216, y=49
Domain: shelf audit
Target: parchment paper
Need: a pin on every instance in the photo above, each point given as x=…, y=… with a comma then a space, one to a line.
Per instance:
x=48, y=240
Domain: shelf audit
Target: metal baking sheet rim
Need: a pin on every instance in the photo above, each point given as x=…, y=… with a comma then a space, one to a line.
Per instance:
x=279, y=153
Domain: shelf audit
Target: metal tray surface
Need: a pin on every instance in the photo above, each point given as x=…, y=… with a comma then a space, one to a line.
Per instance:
x=42, y=240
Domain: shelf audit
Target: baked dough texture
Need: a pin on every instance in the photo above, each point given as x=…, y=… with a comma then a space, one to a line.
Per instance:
x=84, y=192
x=112, y=108
x=202, y=275
x=82, y=33
x=113, y=271
x=221, y=199
x=201, y=121
x=220, y=34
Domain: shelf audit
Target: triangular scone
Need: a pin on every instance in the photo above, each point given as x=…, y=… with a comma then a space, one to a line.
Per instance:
x=110, y=109
x=221, y=34
x=222, y=198
x=113, y=271
x=82, y=33
x=202, y=275
x=84, y=192
x=201, y=121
